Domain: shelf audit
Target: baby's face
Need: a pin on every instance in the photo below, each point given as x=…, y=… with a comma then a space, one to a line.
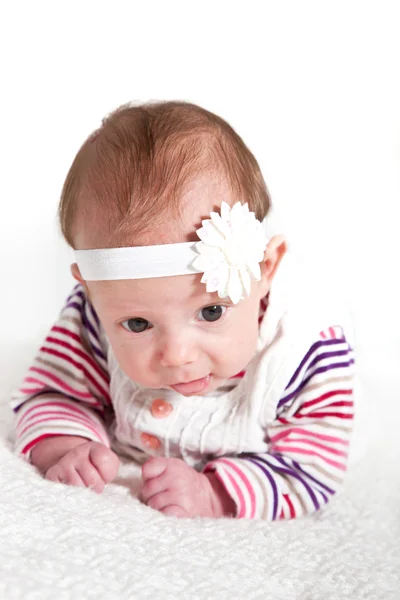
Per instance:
x=171, y=333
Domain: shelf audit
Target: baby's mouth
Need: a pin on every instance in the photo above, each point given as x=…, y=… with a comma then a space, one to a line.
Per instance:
x=192, y=387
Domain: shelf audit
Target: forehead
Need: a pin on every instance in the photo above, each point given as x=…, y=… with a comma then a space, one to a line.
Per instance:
x=149, y=294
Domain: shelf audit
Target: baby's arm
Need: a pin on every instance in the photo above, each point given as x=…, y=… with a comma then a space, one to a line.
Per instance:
x=308, y=441
x=84, y=459
x=60, y=405
x=48, y=452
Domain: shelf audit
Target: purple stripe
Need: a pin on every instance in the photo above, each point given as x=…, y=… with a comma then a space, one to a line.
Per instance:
x=98, y=353
x=287, y=398
x=81, y=309
x=271, y=481
x=89, y=307
x=92, y=332
x=75, y=305
x=313, y=348
x=93, y=313
x=95, y=349
x=324, y=497
x=80, y=294
x=88, y=324
x=327, y=355
x=73, y=293
x=314, y=362
x=323, y=485
x=293, y=474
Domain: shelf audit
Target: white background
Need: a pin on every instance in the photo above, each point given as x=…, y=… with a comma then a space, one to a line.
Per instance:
x=312, y=87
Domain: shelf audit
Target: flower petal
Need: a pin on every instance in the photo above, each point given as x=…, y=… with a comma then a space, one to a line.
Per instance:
x=221, y=225
x=210, y=234
x=210, y=257
x=236, y=217
x=232, y=246
x=217, y=279
x=201, y=263
x=246, y=281
x=235, y=287
x=254, y=270
x=225, y=211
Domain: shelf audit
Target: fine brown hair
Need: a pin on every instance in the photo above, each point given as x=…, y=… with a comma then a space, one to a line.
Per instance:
x=134, y=168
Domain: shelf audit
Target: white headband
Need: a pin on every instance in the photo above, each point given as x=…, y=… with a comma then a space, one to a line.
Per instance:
x=232, y=246
x=139, y=262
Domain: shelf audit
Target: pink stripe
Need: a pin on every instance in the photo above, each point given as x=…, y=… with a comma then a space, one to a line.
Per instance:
x=341, y=403
x=295, y=450
x=71, y=419
x=79, y=366
x=242, y=511
x=323, y=415
x=320, y=436
x=36, y=418
x=37, y=440
x=316, y=445
x=225, y=473
x=240, y=375
x=246, y=482
x=59, y=382
x=81, y=353
x=325, y=396
x=290, y=505
x=46, y=404
x=29, y=391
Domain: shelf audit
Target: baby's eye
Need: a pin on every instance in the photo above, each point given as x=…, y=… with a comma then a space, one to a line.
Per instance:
x=212, y=313
x=136, y=325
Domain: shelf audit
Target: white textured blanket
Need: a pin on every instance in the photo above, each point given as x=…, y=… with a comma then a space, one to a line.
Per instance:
x=63, y=542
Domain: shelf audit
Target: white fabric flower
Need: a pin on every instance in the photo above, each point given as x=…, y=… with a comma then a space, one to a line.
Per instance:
x=231, y=249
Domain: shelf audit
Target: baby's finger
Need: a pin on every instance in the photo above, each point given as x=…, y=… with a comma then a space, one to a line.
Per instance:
x=174, y=511
x=154, y=467
x=91, y=477
x=68, y=475
x=105, y=461
x=152, y=487
x=162, y=500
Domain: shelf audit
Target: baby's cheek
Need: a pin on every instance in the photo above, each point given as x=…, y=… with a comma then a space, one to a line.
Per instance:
x=234, y=355
x=132, y=362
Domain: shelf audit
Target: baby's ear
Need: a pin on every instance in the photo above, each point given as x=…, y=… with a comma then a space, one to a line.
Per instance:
x=76, y=274
x=274, y=252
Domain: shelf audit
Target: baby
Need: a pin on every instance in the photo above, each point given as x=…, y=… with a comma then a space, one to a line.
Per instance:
x=192, y=343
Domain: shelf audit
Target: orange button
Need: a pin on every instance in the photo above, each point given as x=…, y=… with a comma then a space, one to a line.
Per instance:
x=160, y=408
x=150, y=441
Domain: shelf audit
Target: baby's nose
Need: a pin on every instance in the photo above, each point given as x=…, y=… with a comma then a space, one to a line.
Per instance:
x=178, y=350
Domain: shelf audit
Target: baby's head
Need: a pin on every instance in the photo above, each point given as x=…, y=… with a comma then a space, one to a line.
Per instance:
x=149, y=176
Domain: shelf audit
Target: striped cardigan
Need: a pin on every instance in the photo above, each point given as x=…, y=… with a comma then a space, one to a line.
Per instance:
x=66, y=392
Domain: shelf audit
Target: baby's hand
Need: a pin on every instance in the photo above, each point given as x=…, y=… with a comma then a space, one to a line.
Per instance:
x=174, y=488
x=90, y=464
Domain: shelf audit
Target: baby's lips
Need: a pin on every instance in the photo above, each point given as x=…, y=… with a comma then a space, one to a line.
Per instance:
x=192, y=387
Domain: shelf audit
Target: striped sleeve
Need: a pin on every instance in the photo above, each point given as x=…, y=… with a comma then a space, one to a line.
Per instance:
x=66, y=389
x=307, y=442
